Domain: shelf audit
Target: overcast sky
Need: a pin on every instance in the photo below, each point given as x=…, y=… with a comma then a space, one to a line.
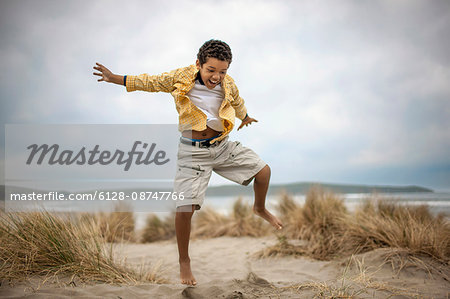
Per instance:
x=344, y=91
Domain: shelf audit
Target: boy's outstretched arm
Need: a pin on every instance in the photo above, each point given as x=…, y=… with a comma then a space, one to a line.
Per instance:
x=106, y=75
x=246, y=121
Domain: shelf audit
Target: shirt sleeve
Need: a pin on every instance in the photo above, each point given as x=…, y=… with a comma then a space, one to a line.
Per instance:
x=237, y=102
x=153, y=83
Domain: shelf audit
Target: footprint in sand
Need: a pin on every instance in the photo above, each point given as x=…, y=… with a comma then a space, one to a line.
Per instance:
x=195, y=293
x=255, y=279
x=191, y=292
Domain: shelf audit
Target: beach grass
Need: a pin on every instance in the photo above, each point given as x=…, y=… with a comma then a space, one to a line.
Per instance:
x=325, y=226
x=318, y=222
x=282, y=248
x=359, y=283
x=239, y=223
x=49, y=245
x=117, y=226
x=208, y=223
x=157, y=229
x=331, y=231
x=378, y=224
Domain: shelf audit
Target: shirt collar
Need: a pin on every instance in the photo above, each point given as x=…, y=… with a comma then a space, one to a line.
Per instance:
x=199, y=78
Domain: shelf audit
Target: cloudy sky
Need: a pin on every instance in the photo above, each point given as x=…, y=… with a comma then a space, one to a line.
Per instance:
x=344, y=91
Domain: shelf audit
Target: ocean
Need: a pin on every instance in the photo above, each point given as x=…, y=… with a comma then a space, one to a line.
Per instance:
x=438, y=202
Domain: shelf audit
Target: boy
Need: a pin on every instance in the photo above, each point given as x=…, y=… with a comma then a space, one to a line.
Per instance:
x=207, y=101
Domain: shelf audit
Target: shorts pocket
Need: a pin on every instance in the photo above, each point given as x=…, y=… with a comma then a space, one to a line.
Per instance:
x=188, y=181
x=235, y=151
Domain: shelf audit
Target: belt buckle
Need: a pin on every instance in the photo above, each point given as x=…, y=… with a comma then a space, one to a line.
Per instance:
x=204, y=144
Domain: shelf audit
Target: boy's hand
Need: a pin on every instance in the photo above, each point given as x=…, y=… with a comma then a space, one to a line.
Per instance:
x=247, y=121
x=106, y=75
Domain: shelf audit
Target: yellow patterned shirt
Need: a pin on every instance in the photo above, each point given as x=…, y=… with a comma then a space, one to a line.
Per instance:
x=179, y=82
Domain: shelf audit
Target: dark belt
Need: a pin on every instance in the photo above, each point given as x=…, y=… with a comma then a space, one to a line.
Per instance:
x=204, y=143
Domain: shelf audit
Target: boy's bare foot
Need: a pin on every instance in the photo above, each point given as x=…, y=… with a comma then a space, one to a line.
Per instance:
x=186, y=273
x=269, y=217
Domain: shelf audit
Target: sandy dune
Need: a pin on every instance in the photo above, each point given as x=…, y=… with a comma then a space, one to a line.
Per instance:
x=225, y=268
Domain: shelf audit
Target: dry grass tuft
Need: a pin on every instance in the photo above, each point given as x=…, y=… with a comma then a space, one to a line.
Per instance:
x=400, y=259
x=41, y=243
x=208, y=223
x=116, y=226
x=157, y=229
x=344, y=287
x=317, y=221
x=290, y=212
x=282, y=248
x=378, y=224
x=331, y=231
x=361, y=284
x=242, y=222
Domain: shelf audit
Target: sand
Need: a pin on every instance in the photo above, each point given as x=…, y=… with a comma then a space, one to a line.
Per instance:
x=226, y=268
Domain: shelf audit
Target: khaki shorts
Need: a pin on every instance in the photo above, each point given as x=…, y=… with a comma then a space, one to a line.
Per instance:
x=195, y=165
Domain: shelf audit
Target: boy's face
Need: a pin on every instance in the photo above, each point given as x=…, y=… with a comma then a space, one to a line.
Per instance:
x=212, y=71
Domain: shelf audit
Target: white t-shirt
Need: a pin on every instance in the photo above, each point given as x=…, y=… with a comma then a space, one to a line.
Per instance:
x=208, y=101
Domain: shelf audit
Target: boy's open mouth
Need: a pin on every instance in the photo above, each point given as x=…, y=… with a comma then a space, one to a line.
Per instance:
x=213, y=82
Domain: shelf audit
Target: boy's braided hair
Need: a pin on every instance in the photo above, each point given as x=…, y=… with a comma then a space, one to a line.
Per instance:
x=215, y=49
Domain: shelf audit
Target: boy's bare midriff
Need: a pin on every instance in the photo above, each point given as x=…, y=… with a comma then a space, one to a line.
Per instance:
x=205, y=134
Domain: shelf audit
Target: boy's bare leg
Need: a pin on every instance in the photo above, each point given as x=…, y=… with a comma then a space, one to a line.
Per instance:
x=260, y=187
x=183, y=231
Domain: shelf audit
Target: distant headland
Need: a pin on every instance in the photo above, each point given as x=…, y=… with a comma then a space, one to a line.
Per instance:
x=303, y=187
